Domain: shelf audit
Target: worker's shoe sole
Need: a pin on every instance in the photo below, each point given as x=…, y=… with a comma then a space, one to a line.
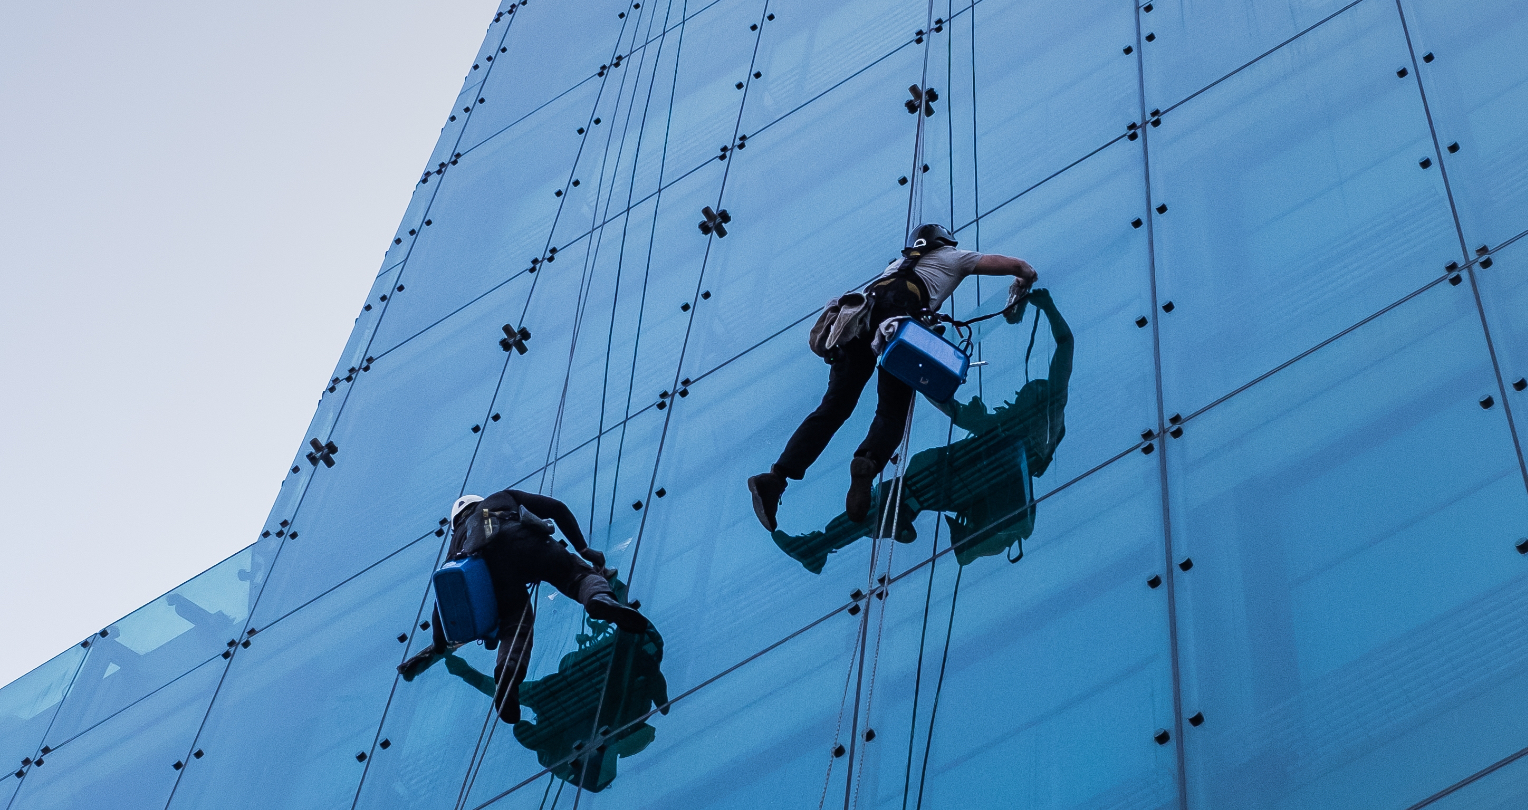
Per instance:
x=861, y=480
x=606, y=609
x=766, y=489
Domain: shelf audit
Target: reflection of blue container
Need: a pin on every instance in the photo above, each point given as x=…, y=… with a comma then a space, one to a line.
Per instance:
x=464, y=593
x=925, y=361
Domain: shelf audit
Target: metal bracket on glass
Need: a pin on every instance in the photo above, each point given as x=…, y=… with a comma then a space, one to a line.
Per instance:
x=322, y=452
x=714, y=221
x=514, y=338
x=921, y=98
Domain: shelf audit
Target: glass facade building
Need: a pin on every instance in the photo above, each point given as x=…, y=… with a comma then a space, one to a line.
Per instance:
x=1274, y=559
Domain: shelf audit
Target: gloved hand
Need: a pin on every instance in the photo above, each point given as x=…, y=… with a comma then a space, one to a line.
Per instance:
x=595, y=557
x=1018, y=296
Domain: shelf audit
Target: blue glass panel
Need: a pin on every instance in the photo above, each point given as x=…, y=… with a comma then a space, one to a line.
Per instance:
x=796, y=238
x=808, y=48
x=158, y=643
x=762, y=732
x=492, y=213
x=1294, y=205
x=1075, y=229
x=1195, y=42
x=704, y=570
x=1477, y=89
x=1350, y=523
x=665, y=276
x=432, y=727
x=1503, y=789
x=1051, y=86
x=305, y=697
x=714, y=56
x=130, y=760
x=1504, y=294
x=656, y=62
x=29, y=704
x=1058, y=666
x=357, y=345
x=607, y=179
x=530, y=398
x=547, y=50
x=412, y=414
x=604, y=316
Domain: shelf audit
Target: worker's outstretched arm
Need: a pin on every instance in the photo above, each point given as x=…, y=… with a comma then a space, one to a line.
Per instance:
x=996, y=264
x=1061, y=363
x=545, y=506
x=554, y=510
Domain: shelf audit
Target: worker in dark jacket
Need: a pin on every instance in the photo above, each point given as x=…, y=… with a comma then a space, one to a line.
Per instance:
x=514, y=564
x=930, y=270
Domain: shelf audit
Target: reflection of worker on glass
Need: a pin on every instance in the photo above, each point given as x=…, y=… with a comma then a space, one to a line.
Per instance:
x=592, y=704
x=982, y=481
x=518, y=553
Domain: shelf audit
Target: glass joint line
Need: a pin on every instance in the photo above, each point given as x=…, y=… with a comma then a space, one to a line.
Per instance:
x=1174, y=652
x=1471, y=779
x=623, y=56
x=700, y=279
x=1485, y=324
x=43, y=740
x=97, y=724
x=1312, y=350
x=621, y=252
x=652, y=240
x=1260, y=57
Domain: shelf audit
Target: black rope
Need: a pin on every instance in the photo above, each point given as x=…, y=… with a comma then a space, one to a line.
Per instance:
x=944, y=661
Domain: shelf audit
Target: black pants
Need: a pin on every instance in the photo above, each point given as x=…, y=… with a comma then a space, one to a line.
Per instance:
x=846, y=380
x=514, y=566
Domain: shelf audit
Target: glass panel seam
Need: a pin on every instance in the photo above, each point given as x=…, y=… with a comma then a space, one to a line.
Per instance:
x=1474, y=777
x=1174, y=653
x=1260, y=57
x=1501, y=382
x=43, y=740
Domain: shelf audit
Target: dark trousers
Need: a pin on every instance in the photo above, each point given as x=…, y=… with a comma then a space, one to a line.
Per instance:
x=515, y=565
x=846, y=380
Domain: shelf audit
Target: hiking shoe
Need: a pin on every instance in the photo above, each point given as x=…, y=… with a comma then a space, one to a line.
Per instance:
x=767, y=489
x=606, y=609
x=862, y=473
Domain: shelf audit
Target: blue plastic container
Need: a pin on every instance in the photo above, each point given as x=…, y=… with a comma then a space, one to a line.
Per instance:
x=464, y=592
x=927, y=362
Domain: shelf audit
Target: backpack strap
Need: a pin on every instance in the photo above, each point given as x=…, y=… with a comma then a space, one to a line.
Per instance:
x=883, y=288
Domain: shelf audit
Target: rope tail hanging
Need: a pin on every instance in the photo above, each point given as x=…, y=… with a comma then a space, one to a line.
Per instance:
x=480, y=751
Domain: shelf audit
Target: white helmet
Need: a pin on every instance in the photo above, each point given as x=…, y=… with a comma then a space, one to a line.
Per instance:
x=462, y=503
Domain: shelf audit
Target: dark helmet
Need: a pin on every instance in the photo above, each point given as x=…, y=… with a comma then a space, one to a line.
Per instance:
x=927, y=237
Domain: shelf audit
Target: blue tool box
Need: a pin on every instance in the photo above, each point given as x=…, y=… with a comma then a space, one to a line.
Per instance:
x=464, y=592
x=925, y=361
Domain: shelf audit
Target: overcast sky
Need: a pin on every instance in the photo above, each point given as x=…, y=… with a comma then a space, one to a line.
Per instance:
x=194, y=198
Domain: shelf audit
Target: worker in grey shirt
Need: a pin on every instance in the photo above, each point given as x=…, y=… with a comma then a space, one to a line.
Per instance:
x=930, y=270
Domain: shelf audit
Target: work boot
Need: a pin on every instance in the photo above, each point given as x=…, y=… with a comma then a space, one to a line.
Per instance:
x=862, y=474
x=767, y=489
x=606, y=609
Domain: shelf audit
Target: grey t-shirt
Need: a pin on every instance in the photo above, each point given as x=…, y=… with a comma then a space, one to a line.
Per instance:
x=941, y=271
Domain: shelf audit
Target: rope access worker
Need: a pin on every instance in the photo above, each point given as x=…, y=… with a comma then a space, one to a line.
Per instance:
x=846, y=336
x=516, y=559
x=979, y=482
